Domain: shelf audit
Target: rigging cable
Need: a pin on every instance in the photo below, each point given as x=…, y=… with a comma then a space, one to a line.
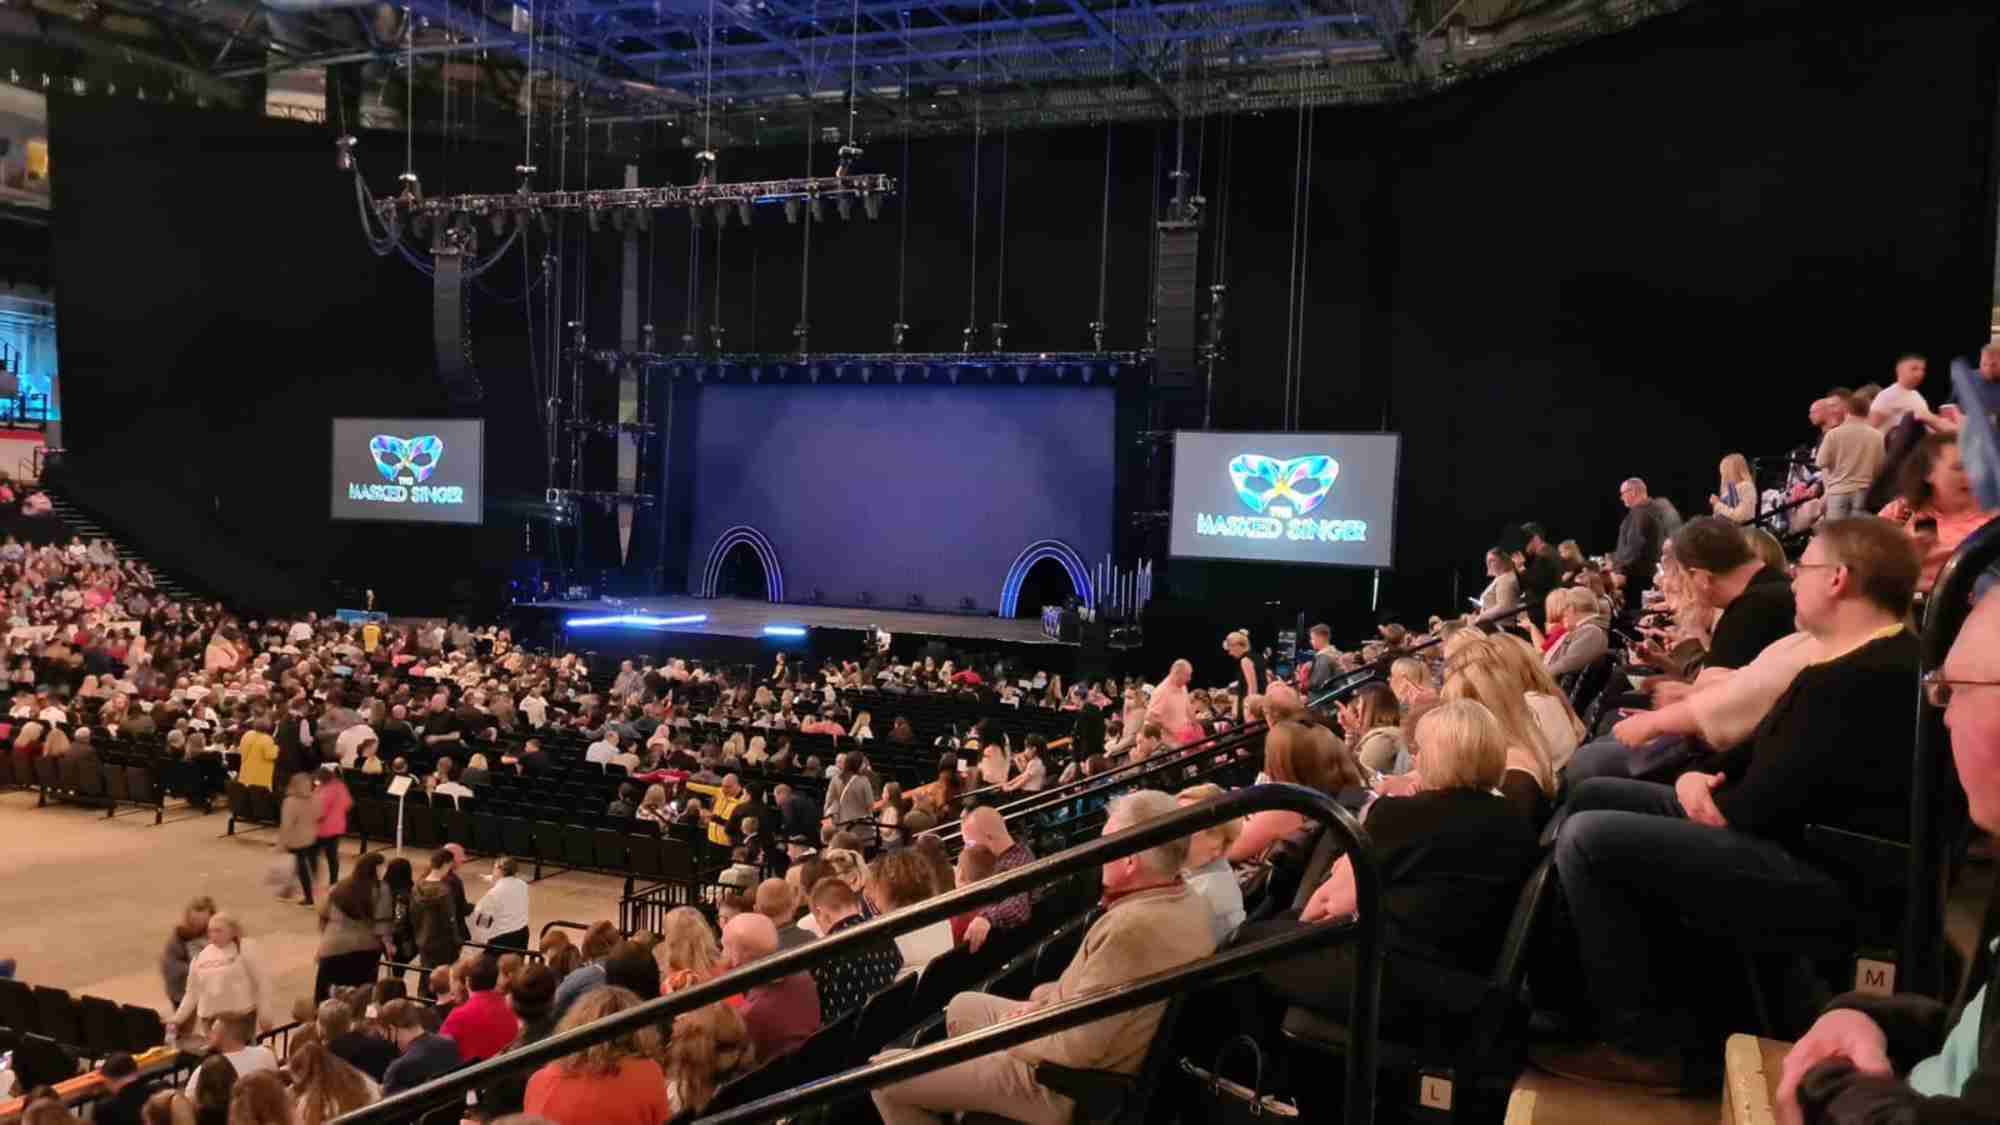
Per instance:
x=1292, y=294
x=1305, y=260
x=978, y=129
x=1104, y=244
x=901, y=326
x=1000, y=285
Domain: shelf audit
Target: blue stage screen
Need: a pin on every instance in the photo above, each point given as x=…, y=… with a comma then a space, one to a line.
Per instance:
x=893, y=491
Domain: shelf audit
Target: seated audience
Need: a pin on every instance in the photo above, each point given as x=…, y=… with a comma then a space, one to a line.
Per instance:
x=325, y=1085
x=778, y=900
x=617, y=1082
x=229, y=1036
x=900, y=879
x=1153, y=923
x=688, y=952
x=371, y=1054
x=1644, y=865
x=985, y=827
x=847, y=980
x=1206, y=869
x=709, y=1047
x=1936, y=509
x=483, y=1024
x=421, y=1054
x=1586, y=635
x=780, y=1014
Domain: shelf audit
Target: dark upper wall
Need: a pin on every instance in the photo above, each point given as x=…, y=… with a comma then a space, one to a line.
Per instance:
x=1632, y=257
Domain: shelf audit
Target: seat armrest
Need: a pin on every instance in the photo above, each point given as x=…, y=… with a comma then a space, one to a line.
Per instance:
x=1099, y=1094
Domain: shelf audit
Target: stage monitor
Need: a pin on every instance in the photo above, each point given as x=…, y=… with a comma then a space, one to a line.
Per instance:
x=409, y=470
x=1292, y=498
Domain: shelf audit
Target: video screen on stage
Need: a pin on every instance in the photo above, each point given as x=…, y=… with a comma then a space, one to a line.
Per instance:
x=1292, y=498
x=409, y=470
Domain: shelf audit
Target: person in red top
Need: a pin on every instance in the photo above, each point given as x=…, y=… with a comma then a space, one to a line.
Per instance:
x=782, y=1014
x=330, y=804
x=484, y=1025
x=613, y=1083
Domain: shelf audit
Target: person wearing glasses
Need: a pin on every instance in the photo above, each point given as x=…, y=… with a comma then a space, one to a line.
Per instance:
x=1900, y=1057
x=1648, y=868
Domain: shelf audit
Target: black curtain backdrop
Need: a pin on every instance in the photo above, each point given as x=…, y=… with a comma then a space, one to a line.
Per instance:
x=1632, y=257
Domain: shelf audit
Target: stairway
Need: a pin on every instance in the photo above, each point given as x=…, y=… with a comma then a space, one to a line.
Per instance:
x=82, y=523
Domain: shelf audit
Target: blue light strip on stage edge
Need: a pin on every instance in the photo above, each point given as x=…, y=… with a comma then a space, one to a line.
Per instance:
x=784, y=630
x=637, y=620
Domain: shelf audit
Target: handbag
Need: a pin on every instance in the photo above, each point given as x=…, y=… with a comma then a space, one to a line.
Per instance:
x=1218, y=1101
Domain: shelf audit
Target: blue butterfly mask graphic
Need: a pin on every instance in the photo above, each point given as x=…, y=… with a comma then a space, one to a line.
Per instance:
x=417, y=456
x=1283, y=488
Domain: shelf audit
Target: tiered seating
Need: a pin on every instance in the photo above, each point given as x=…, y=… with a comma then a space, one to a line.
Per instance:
x=87, y=1027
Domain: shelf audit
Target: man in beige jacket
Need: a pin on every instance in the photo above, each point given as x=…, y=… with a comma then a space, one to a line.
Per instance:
x=1151, y=923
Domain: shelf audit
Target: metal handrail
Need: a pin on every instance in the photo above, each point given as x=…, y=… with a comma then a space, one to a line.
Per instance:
x=1362, y=1016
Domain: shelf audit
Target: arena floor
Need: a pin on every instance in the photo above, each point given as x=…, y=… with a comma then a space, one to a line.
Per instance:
x=86, y=903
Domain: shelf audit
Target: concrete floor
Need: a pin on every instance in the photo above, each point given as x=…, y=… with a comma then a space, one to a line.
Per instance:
x=86, y=903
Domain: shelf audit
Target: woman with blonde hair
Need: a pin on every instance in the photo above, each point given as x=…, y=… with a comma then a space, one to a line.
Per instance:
x=1529, y=779
x=687, y=953
x=326, y=1086
x=1206, y=869
x=1562, y=727
x=223, y=979
x=616, y=1082
x=184, y=944
x=732, y=747
x=1295, y=753
x=755, y=754
x=1736, y=500
x=1553, y=608
x=653, y=807
x=863, y=729
x=710, y=1046
x=1452, y=854
x=1570, y=557
x=1248, y=684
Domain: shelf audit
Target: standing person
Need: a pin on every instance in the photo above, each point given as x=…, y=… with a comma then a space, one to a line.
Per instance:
x=259, y=755
x=1647, y=525
x=184, y=944
x=356, y=922
x=1169, y=704
x=1901, y=399
x=1541, y=571
x=1736, y=500
x=853, y=795
x=298, y=832
x=224, y=978
x=501, y=918
x=331, y=802
x=1248, y=682
x=1325, y=661
x=434, y=920
x=1505, y=588
x=400, y=880
x=1850, y=455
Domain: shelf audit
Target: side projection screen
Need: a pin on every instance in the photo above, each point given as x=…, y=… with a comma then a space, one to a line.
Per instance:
x=409, y=470
x=1291, y=498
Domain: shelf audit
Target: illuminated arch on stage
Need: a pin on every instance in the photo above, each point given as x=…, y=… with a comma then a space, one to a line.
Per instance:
x=1079, y=573
x=767, y=555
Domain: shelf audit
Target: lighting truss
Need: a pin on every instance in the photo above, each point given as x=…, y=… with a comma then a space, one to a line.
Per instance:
x=870, y=188
x=933, y=368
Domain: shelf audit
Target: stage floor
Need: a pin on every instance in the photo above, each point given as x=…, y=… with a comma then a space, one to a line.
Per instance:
x=734, y=617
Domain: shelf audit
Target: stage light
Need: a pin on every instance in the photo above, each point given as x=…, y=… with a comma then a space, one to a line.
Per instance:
x=499, y=223
x=643, y=216
x=548, y=222
x=721, y=213
x=635, y=620
x=818, y=209
x=845, y=205
x=784, y=630
x=792, y=210
x=743, y=212
x=596, y=219
x=871, y=202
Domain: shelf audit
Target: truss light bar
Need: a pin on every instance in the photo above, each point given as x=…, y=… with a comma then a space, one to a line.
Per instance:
x=793, y=193
x=784, y=630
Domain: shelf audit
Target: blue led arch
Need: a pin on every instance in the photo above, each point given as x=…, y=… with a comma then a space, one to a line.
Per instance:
x=767, y=556
x=1072, y=563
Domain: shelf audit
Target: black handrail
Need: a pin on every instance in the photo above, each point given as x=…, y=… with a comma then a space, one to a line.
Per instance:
x=1945, y=612
x=1814, y=492
x=1362, y=1017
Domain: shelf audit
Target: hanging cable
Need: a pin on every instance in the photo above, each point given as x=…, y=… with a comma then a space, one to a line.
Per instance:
x=1305, y=260
x=1292, y=294
x=901, y=328
x=1000, y=281
x=978, y=128
x=803, y=330
x=1103, y=249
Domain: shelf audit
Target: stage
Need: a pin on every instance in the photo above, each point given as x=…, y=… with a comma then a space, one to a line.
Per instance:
x=738, y=617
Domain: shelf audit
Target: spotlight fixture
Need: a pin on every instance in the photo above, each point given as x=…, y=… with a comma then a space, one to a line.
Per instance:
x=792, y=210
x=871, y=202
x=343, y=149
x=548, y=222
x=818, y=208
x=596, y=219
x=721, y=213
x=743, y=212
x=420, y=225
x=499, y=220
x=845, y=205
x=621, y=220
x=849, y=153
x=643, y=217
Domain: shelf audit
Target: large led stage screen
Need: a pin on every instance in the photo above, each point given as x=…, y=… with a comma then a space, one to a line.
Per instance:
x=1328, y=499
x=409, y=470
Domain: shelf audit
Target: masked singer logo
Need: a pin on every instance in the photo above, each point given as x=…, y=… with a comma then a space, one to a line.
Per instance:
x=406, y=460
x=1283, y=494
x=1283, y=489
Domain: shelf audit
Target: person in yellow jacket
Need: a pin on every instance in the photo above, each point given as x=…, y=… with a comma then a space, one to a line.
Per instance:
x=260, y=755
x=727, y=798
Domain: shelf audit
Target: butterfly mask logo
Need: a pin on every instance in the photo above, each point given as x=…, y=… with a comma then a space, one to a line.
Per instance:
x=1283, y=489
x=406, y=460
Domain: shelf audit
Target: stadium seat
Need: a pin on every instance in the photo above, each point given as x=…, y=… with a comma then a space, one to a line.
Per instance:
x=648, y=862
x=117, y=790
x=611, y=849
x=104, y=1028
x=885, y=1016
x=143, y=790
x=487, y=836
x=1107, y=1097
x=17, y=1007
x=89, y=778
x=1473, y=1026
x=47, y=778
x=66, y=773
x=420, y=827
x=8, y=778
x=60, y=1018
x=549, y=846
x=577, y=849
x=144, y=1029
x=455, y=826
x=517, y=838
x=263, y=805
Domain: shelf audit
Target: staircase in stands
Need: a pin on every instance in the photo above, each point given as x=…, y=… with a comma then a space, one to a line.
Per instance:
x=82, y=523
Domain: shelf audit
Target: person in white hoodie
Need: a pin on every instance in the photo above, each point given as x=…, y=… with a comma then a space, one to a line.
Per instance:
x=225, y=978
x=501, y=918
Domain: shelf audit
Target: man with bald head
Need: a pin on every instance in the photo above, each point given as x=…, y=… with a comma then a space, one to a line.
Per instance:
x=779, y=1015
x=1898, y=1058
x=984, y=826
x=1151, y=922
x=1849, y=457
x=1169, y=704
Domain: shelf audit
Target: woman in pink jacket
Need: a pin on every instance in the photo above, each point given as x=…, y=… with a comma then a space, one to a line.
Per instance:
x=331, y=801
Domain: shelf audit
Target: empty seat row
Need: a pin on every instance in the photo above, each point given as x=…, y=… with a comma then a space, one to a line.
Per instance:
x=90, y=1026
x=86, y=781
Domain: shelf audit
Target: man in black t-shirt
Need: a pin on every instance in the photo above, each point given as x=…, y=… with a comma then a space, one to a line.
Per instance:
x=1757, y=611
x=1540, y=572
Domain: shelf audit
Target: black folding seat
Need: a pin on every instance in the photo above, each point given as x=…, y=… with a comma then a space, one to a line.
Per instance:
x=60, y=1017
